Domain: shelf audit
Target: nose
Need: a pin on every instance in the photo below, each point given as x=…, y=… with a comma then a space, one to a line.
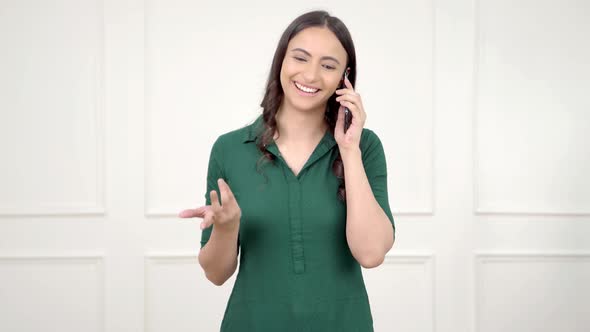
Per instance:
x=311, y=73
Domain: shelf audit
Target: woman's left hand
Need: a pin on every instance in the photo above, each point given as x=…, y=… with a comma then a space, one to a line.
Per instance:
x=350, y=99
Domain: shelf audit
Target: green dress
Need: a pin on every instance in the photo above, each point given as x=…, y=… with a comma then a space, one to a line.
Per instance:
x=296, y=271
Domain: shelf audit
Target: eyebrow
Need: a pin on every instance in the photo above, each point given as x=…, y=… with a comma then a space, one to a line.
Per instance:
x=327, y=57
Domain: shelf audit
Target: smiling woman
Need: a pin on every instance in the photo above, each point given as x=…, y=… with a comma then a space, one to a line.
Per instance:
x=303, y=232
x=305, y=63
x=314, y=50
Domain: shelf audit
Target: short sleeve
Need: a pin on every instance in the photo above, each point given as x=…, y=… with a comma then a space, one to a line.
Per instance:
x=376, y=169
x=214, y=172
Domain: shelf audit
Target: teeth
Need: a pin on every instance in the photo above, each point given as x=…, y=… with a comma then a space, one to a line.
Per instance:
x=305, y=89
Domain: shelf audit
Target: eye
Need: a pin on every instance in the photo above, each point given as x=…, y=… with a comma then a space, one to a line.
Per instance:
x=298, y=58
x=329, y=67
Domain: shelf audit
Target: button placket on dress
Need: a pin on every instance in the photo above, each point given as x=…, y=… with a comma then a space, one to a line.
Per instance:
x=295, y=222
x=294, y=184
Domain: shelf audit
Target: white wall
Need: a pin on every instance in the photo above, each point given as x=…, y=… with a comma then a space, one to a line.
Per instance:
x=108, y=110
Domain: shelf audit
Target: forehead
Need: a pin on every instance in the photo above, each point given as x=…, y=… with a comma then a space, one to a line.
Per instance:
x=319, y=42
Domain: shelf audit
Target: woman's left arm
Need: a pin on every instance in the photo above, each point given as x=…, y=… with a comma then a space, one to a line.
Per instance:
x=369, y=232
x=368, y=229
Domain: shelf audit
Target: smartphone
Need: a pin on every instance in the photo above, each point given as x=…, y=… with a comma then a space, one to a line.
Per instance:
x=347, y=112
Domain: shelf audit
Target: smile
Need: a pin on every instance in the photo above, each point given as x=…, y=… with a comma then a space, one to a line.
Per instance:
x=306, y=90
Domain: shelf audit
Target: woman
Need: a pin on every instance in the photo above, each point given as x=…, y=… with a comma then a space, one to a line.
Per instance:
x=303, y=231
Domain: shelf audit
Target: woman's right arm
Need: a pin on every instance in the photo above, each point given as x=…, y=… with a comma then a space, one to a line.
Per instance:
x=219, y=244
x=219, y=257
x=219, y=254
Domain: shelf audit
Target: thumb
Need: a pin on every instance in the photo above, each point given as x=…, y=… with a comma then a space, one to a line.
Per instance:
x=207, y=222
x=339, y=128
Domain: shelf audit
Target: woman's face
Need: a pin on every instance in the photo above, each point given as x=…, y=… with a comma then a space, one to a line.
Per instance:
x=312, y=68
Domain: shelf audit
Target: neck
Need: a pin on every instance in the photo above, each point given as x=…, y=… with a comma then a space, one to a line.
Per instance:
x=300, y=126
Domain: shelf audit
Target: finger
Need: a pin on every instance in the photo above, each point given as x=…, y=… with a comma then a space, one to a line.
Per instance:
x=347, y=83
x=192, y=213
x=352, y=97
x=350, y=105
x=226, y=194
x=356, y=100
x=208, y=221
x=344, y=91
x=356, y=114
x=215, y=206
x=349, y=89
x=340, y=120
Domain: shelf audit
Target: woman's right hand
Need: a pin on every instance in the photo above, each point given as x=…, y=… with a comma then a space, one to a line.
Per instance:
x=226, y=216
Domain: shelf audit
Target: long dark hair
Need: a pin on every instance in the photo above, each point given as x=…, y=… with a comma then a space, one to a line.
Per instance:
x=274, y=91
